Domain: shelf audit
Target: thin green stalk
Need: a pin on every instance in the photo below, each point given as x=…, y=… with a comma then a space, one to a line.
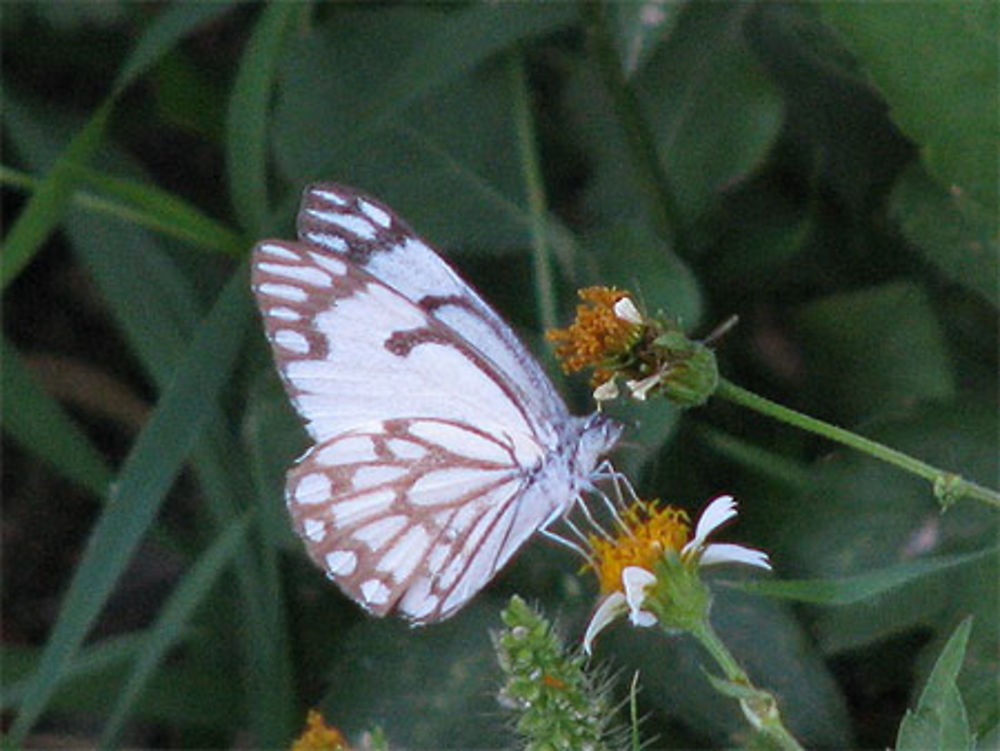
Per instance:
x=948, y=486
x=760, y=706
x=537, y=209
x=642, y=149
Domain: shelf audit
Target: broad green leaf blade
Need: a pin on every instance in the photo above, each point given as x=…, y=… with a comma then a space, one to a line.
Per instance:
x=953, y=233
x=189, y=593
x=866, y=362
x=247, y=145
x=156, y=458
x=853, y=589
x=182, y=694
x=939, y=723
x=40, y=425
x=936, y=64
x=362, y=72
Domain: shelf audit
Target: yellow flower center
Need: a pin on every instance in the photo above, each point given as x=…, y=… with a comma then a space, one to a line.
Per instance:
x=597, y=336
x=651, y=531
x=318, y=736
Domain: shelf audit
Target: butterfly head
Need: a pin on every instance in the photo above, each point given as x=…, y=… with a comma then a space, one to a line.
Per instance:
x=598, y=435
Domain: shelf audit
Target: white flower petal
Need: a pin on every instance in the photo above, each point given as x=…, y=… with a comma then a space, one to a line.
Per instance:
x=625, y=310
x=721, y=552
x=635, y=580
x=642, y=618
x=606, y=391
x=717, y=513
x=610, y=608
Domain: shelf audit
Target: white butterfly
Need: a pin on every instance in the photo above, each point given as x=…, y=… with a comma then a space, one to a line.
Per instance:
x=440, y=444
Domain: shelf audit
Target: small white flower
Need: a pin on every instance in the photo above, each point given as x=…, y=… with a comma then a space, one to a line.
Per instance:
x=636, y=581
x=625, y=310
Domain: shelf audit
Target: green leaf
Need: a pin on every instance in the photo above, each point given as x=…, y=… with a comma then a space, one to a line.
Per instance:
x=381, y=675
x=48, y=204
x=44, y=210
x=149, y=206
x=164, y=33
x=173, y=617
x=954, y=233
x=855, y=589
x=768, y=642
x=145, y=205
x=376, y=66
x=936, y=65
x=40, y=425
x=939, y=720
x=875, y=350
x=248, y=118
x=140, y=488
x=712, y=111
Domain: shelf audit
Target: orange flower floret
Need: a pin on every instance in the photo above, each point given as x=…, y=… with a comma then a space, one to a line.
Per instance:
x=652, y=530
x=598, y=336
x=318, y=736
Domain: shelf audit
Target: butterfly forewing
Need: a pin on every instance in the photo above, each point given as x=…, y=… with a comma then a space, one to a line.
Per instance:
x=352, y=350
x=439, y=444
x=369, y=234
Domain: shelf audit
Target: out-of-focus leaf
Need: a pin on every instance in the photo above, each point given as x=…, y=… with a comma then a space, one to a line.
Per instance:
x=363, y=71
x=640, y=28
x=37, y=422
x=937, y=67
x=416, y=683
x=146, y=476
x=173, y=617
x=954, y=233
x=247, y=146
x=875, y=350
x=939, y=723
x=855, y=589
x=713, y=113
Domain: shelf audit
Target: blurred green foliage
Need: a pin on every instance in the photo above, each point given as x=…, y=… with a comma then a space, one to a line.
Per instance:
x=826, y=171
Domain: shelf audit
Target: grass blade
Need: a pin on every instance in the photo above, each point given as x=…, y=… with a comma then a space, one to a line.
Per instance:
x=41, y=426
x=142, y=484
x=246, y=124
x=173, y=617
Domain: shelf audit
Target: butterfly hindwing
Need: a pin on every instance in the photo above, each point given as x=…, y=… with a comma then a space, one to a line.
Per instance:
x=411, y=513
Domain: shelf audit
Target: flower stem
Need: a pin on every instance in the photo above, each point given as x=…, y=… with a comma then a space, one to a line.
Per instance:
x=532, y=174
x=760, y=706
x=948, y=487
x=642, y=149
